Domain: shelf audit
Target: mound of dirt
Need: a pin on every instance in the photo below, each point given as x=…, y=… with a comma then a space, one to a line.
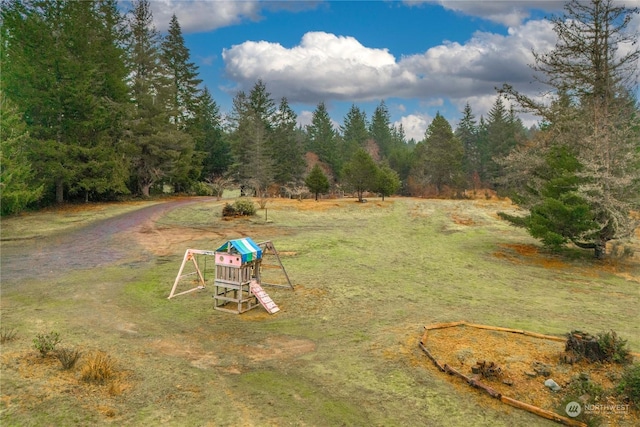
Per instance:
x=524, y=363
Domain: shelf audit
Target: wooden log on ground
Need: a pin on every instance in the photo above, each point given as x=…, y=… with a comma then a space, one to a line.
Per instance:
x=542, y=412
x=444, y=325
x=546, y=337
x=472, y=382
x=433, y=359
x=495, y=328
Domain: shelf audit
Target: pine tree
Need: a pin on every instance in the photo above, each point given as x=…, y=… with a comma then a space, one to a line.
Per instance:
x=287, y=147
x=209, y=137
x=252, y=131
x=380, y=129
x=182, y=75
x=467, y=133
x=387, y=182
x=439, y=157
x=595, y=118
x=182, y=96
x=317, y=181
x=360, y=173
x=17, y=187
x=322, y=138
x=354, y=131
x=64, y=69
x=157, y=142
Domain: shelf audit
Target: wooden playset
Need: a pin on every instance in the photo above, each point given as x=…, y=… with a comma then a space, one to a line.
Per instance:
x=237, y=282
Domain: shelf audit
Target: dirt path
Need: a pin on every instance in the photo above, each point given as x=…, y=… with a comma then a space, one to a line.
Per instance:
x=97, y=244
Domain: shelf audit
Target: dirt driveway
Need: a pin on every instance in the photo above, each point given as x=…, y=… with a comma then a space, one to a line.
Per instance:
x=97, y=244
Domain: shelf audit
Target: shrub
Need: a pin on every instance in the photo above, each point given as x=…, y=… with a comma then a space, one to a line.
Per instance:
x=244, y=207
x=604, y=347
x=228, y=210
x=614, y=347
x=582, y=389
x=629, y=385
x=68, y=357
x=7, y=335
x=46, y=343
x=201, y=189
x=98, y=368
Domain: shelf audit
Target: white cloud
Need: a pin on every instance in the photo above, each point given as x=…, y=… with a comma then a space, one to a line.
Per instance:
x=507, y=12
x=197, y=15
x=207, y=15
x=414, y=125
x=305, y=118
x=325, y=67
x=322, y=66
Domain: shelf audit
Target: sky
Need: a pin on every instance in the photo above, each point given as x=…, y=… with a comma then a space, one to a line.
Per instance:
x=419, y=57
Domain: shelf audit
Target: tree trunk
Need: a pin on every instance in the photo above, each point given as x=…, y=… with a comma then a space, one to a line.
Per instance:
x=59, y=191
x=600, y=250
x=145, y=189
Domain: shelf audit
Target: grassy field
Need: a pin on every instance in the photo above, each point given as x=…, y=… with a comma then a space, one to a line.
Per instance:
x=343, y=350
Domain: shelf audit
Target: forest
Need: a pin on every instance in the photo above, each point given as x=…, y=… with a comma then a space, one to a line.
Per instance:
x=97, y=105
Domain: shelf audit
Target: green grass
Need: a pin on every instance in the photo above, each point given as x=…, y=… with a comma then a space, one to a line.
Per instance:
x=341, y=351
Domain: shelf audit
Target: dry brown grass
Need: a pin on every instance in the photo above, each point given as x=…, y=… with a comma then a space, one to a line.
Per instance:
x=98, y=368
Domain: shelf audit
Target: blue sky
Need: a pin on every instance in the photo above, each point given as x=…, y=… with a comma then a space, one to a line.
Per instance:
x=420, y=57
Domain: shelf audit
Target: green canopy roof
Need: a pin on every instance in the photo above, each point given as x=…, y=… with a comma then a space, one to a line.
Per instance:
x=247, y=248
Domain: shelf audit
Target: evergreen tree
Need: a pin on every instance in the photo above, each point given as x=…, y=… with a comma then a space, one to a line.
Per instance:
x=594, y=119
x=287, y=146
x=381, y=129
x=354, y=131
x=252, y=132
x=182, y=98
x=317, y=181
x=400, y=157
x=388, y=181
x=182, y=74
x=64, y=69
x=17, y=188
x=498, y=142
x=439, y=157
x=323, y=138
x=209, y=137
x=360, y=173
x=158, y=143
x=467, y=133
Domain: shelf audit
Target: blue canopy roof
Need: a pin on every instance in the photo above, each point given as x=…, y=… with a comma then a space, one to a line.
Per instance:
x=247, y=248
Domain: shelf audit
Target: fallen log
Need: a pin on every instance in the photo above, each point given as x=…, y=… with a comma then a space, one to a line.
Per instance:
x=495, y=328
x=444, y=325
x=475, y=383
x=542, y=412
x=433, y=359
x=546, y=337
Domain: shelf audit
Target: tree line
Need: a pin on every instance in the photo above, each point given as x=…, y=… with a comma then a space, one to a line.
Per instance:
x=97, y=104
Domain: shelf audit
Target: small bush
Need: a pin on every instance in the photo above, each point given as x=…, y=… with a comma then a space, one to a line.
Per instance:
x=201, y=189
x=241, y=207
x=581, y=389
x=98, y=368
x=244, y=207
x=228, y=210
x=629, y=385
x=614, y=347
x=603, y=347
x=68, y=357
x=117, y=387
x=7, y=335
x=46, y=343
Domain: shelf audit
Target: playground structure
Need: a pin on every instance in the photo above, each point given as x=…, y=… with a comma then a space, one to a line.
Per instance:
x=238, y=279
